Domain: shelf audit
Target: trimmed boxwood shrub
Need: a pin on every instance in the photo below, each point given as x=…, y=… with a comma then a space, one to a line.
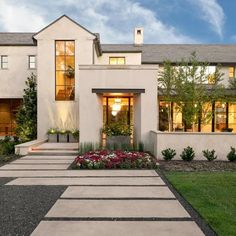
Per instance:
x=188, y=154
x=168, y=154
x=209, y=154
x=232, y=154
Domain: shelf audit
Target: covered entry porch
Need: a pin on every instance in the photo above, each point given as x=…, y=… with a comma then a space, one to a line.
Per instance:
x=130, y=88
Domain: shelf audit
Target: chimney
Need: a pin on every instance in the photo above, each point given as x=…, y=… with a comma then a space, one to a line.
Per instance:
x=138, y=36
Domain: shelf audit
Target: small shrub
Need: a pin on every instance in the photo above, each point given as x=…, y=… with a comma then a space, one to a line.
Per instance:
x=232, y=154
x=188, y=154
x=209, y=155
x=168, y=154
x=7, y=146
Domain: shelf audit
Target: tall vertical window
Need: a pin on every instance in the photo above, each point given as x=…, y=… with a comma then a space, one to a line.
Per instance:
x=65, y=70
x=4, y=62
x=117, y=60
x=32, y=62
x=231, y=72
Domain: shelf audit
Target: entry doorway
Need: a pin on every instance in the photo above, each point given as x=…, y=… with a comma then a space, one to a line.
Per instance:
x=118, y=110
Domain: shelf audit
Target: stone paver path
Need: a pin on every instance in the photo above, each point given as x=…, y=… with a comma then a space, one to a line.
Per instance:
x=103, y=202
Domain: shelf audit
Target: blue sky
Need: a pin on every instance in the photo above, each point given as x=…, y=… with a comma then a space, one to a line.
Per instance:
x=164, y=21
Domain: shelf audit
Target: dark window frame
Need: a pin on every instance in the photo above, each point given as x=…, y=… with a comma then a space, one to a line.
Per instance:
x=4, y=56
x=55, y=61
x=29, y=62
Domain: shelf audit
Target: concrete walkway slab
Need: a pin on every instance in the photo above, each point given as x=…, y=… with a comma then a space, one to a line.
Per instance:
x=34, y=167
x=77, y=173
x=31, y=161
x=118, y=228
x=89, y=181
x=117, y=208
x=117, y=192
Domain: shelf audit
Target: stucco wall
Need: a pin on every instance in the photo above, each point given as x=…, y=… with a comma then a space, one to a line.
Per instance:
x=130, y=58
x=13, y=79
x=51, y=113
x=127, y=77
x=220, y=142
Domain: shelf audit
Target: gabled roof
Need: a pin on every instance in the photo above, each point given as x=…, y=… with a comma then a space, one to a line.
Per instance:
x=158, y=53
x=68, y=19
x=17, y=39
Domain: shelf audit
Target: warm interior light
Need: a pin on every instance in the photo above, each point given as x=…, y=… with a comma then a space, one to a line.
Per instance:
x=114, y=113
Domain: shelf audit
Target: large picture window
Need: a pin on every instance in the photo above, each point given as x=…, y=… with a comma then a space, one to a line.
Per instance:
x=65, y=70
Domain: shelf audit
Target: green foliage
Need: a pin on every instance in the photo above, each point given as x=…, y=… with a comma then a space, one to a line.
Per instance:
x=231, y=156
x=53, y=131
x=188, y=154
x=117, y=129
x=168, y=154
x=26, y=118
x=7, y=145
x=209, y=154
x=88, y=146
x=75, y=134
x=185, y=85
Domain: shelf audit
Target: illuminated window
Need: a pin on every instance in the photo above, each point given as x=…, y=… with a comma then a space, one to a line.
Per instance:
x=65, y=70
x=32, y=62
x=231, y=72
x=4, y=62
x=117, y=60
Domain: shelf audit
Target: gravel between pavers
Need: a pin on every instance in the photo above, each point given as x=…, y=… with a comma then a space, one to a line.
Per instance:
x=23, y=207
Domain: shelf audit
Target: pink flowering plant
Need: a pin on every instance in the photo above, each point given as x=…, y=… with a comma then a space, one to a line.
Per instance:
x=105, y=159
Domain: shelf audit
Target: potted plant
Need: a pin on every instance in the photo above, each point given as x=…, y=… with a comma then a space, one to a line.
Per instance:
x=117, y=134
x=227, y=130
x=74, y=136
x=52, y=135
x=63, y=136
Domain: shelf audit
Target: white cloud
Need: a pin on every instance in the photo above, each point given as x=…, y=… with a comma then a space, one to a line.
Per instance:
x=213, y=13
x=114, y=20
x=16, y=18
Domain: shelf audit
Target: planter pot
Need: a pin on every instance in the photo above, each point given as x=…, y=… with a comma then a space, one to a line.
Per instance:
x=52, y=138
x=72, y=139
x=118, y=141
x=63, y=138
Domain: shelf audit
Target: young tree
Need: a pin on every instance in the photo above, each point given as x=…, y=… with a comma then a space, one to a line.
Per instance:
x=26, y=119
x=194, y=89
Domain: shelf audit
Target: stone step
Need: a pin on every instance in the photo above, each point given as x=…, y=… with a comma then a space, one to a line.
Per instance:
x=35, y=161
x=35, y=167
x=117, y=209
x=52, y=153
x=117, y=228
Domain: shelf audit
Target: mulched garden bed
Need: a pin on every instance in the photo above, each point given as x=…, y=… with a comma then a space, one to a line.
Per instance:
x=196, y=166
x=105, y=159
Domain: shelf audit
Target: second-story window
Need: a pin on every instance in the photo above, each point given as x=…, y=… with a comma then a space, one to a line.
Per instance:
x=32, y=62
x=4, y=62
x=65, y=70
x=117, y=60
x=231, y=72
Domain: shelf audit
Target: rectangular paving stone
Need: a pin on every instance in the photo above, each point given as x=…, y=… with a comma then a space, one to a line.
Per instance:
x=89, y=181
x=117, y=228
x=31, y=161
x=117, y=208
x=34, y=167
x=117, y=192
x=76, y=173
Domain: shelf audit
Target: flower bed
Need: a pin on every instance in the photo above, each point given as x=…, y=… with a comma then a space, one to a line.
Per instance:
x=105, y=159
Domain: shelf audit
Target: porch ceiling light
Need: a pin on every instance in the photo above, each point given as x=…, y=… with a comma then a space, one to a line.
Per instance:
x=117, y=105
x=114, y=113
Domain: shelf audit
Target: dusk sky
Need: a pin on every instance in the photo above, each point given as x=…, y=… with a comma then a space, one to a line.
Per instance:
x=164, y=21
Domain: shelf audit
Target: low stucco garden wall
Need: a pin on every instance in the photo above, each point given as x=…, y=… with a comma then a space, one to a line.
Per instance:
x=220, y=142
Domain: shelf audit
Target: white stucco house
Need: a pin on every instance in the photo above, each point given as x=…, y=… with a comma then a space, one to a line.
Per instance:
x=81, y=81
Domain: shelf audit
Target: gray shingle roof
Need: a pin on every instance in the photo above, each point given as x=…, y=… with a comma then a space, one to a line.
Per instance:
x=17, y=39
x=157, y=53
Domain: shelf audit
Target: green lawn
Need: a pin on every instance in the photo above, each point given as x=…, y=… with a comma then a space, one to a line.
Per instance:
x=212, y=194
